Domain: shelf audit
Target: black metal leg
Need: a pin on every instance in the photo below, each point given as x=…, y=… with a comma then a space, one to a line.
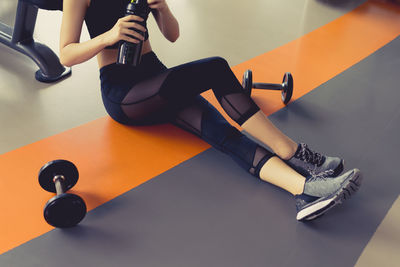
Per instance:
x=21, y=39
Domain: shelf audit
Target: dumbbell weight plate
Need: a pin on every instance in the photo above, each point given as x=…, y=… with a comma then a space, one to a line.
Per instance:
x=287, y=91
x=64, y=210
x=247, y=82
x=58, y=167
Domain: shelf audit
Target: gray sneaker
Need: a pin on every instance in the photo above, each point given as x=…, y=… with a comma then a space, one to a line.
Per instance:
x=307, y=162
x=322, y=192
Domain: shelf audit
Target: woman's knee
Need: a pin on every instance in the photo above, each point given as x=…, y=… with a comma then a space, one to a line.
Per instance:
x=215, y=68
x=219, y=62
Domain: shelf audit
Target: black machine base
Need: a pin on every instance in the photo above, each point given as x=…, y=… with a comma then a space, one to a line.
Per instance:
x=20, y=38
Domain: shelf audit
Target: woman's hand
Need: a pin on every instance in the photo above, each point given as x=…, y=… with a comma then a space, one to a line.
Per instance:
x=124, y=30
x=160, y=5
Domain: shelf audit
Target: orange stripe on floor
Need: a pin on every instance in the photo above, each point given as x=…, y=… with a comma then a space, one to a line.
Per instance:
x=113, y=158
x=319, y=56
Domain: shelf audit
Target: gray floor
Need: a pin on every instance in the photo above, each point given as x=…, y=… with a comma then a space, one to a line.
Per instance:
x=227, y=218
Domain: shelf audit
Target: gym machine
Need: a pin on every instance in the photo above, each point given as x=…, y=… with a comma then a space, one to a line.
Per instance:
x=20, y=38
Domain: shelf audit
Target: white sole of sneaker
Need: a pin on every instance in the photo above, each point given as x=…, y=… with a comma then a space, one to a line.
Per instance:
x=349, y=188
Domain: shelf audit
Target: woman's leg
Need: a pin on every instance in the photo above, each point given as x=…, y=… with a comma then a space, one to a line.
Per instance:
x=186, y=81
x=179, y=85
x=202, y=119
x=260, y=127
x=144, y=105
x=191, y=79
x=314, y=195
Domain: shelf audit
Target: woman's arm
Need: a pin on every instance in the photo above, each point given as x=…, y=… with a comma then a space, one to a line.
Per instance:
x=73, y=52
x=166, y=21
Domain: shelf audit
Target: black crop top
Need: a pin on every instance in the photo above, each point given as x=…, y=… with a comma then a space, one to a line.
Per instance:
x=102, y=15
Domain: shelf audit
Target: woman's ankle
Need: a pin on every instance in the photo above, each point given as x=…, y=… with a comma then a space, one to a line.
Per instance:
x=286, y=151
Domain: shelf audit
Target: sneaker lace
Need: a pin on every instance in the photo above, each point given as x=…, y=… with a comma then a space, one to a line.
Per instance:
x=321, y=175
x=310, y=156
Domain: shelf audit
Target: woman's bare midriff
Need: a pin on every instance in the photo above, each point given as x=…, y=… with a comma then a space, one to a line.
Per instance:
x=109, y=56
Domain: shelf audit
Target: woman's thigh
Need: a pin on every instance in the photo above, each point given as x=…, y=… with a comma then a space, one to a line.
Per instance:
x=160, y=96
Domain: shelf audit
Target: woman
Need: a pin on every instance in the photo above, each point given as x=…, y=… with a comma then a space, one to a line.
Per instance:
x=152, y=93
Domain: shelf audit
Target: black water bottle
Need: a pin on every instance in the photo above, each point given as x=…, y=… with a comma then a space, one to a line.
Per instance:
x=130, y=53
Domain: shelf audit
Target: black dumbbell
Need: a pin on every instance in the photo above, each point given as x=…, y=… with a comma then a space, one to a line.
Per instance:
x=63, y=210
x=286, y=86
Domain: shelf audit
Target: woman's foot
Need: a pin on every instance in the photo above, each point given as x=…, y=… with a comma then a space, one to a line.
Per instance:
x=322, y=192
x=308, y=162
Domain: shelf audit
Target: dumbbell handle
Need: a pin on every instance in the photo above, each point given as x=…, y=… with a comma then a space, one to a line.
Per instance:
x=59, y=183
x=271, y=86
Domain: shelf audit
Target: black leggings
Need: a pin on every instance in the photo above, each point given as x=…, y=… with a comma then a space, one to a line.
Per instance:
x=152, y=93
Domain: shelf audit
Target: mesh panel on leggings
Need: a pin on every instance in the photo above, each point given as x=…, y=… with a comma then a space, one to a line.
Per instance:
x=238, y=107
x=260, y=157
x=143, y=100
x=149, y=108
